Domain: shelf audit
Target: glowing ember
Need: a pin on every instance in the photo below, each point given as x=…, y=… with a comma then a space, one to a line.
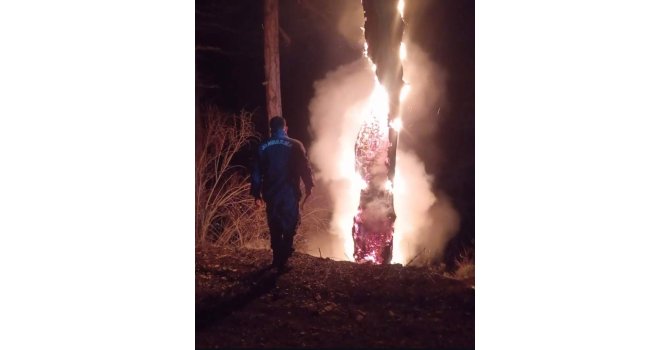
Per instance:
x=373, y=224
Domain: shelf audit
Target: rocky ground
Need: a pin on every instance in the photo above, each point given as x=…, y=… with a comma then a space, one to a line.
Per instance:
x=320, y=303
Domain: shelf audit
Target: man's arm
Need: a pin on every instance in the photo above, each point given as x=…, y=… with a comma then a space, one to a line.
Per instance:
x=305, y=170
x=256, y=177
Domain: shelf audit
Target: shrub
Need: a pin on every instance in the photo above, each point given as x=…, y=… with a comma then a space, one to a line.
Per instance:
x=225, y=211
x=465, y=265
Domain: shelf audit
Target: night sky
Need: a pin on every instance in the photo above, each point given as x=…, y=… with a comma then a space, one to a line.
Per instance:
x=229, y=73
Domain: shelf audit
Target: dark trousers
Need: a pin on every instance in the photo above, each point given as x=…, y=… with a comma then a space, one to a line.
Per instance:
x=283, y=219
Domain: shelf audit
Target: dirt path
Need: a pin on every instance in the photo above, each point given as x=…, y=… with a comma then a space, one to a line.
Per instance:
x=240, y=302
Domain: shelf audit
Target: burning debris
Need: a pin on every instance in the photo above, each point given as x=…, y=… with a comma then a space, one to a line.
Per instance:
x=378, y=138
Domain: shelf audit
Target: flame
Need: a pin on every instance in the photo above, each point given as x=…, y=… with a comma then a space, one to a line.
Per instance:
x=396, y=124
x=362, y=184
x=372, y=232
x=388, y=186
x=379, y=103
x=404, y=91
x=372, y=229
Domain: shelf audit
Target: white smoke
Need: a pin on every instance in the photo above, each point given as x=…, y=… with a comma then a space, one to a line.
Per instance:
x=420, y=109
x=337, y=111
x=425, y=220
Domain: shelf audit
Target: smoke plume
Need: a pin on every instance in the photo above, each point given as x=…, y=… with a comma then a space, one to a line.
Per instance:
x=426, y=218
x=337, y=111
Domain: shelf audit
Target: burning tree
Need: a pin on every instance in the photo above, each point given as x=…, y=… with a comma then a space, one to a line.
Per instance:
x=377, y=141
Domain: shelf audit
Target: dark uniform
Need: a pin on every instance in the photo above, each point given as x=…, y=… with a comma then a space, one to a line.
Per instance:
x=282, y=162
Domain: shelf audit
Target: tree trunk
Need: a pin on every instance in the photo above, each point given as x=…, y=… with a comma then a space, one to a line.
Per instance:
x=384, y=29
x=272, y=81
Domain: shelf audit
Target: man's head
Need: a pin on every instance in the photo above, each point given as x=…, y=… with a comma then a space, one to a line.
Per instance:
x=277, y=123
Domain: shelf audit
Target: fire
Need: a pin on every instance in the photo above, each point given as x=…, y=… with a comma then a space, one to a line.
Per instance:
x=388, y=186
x=372, y=229
x=361, y=107
x=379, y=102
x=404, y=92
x=396, y=124
x=362, y=184
x=373, y=225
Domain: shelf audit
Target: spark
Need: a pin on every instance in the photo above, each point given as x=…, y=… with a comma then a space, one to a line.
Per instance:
x=403, y=51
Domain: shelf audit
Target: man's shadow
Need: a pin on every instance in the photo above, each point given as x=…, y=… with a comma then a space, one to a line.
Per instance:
x=250, y=287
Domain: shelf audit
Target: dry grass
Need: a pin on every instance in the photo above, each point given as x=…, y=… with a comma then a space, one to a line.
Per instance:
x=314, y=220
x=225, y=211
x=465, y=266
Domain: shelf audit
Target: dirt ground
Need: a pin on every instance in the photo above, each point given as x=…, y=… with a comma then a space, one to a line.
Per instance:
x=320, y=303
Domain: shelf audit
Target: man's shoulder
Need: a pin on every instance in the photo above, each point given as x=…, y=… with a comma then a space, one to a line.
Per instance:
x=297, y=144
x=295, y=141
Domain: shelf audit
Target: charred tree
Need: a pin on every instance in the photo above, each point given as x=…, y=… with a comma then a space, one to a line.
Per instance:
x=377, y=142
x=384, y=29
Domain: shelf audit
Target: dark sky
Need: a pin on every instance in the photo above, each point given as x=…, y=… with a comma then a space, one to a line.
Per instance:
x=229, y=71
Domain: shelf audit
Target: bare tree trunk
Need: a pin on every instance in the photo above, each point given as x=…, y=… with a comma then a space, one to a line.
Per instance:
x=271, y=35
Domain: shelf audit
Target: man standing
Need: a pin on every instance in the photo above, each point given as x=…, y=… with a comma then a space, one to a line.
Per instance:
x=282, y=162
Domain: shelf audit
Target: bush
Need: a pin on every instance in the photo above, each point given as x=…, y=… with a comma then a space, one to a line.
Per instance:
x=225, y=211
